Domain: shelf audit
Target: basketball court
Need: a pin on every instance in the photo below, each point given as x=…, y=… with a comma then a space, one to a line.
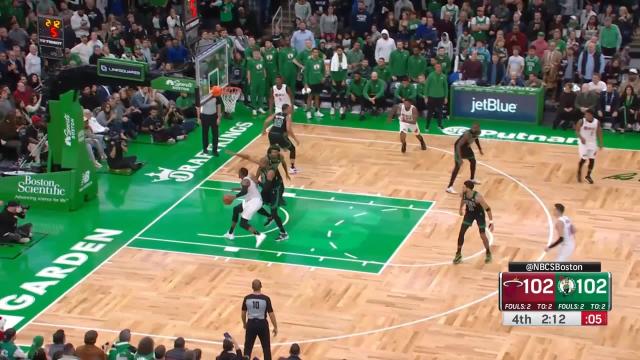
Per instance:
x=396, y=292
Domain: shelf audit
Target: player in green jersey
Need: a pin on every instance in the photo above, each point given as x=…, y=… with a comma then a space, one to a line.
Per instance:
x=476, y=207
x=338, y=70
x=280, y=133
x=256, y=76
x=313, y=77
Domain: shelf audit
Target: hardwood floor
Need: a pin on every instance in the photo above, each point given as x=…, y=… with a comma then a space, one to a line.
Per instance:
x=412, y=310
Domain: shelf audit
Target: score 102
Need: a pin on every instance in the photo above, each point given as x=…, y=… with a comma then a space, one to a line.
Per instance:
x=555, y=291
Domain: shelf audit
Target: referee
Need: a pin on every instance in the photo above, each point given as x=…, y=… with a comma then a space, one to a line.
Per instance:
x=210, y=119
x=255, y=308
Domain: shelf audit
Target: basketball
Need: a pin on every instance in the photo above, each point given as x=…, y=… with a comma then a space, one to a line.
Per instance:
x=216, y=90
x=227, y=199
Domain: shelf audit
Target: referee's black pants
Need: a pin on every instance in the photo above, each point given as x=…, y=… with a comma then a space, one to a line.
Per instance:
x=257, y=328
x=209, y=122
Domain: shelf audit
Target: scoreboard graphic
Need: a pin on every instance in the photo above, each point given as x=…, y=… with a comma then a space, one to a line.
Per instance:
x=559, y=298
x=50, y=36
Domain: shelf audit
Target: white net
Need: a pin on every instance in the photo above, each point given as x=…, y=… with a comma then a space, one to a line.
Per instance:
x=230, y=96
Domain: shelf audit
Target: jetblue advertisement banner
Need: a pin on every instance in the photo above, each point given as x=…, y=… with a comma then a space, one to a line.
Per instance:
x=494, y=105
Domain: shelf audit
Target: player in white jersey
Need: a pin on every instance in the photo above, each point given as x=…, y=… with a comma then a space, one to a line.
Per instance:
x=566, y=235
x=280, y=95
x=408, y=121
x=251, y=203
x=590, y=134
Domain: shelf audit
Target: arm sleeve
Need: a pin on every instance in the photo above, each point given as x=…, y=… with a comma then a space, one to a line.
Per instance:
x=269, y=307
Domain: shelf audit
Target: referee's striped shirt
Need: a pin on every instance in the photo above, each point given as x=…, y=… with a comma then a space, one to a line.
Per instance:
x=257, y=306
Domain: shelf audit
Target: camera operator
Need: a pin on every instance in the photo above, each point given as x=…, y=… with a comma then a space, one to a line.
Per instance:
x=10, y=232
x=116, y=148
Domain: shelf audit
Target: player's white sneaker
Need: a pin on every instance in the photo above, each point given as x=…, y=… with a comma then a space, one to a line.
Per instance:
x=260, y=238
x=450, y=190
x=308, y=115
x=229, y=236
x=261, y=111
x=477, y=182
x=332, y=111
x=318, y=114
x=254, y=113
x=293, y=171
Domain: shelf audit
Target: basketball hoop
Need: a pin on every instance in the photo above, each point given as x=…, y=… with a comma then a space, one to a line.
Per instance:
x=230, y=96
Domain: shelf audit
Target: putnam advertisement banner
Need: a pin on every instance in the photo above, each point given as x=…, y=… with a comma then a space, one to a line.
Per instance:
x=504, y=103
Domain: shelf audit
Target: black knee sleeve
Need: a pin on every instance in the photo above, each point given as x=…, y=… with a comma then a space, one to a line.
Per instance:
x=244, y=223
x=236, y=212
x=292, y=152
x=482, y=230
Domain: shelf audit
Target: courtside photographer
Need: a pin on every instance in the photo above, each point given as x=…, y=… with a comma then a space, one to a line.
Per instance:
x=116, y=148
x=10, y=232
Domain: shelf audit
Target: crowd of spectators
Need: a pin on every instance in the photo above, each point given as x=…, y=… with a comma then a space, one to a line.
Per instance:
x=120, y=349
x=544, y=44
x=369, y=47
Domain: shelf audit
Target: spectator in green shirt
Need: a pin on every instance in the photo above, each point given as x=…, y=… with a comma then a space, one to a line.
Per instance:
x=437, y=91
x=416, y=64
x=185, y=103
x=122, y=350
x=226, y=12
x=373, y=93
x=71, y=58
x=610, y=37
x=398, y=61
x=532, y=63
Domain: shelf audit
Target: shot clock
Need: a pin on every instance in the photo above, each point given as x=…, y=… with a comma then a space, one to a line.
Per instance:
x=51, y=36
x=555, y=298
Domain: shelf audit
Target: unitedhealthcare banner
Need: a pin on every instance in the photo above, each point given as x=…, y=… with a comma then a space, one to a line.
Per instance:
x=497, y=103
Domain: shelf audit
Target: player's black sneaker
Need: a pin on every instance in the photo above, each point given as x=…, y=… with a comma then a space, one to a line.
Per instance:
x=423, y=145
x=282, y=237
x=458, y=258
x=404, y=148
x=589, y=179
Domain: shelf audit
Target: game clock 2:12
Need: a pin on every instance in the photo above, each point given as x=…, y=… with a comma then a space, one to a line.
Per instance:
x=51, y=36
x=51, y=28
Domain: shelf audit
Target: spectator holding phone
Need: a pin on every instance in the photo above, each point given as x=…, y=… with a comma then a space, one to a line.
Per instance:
x=230, y=349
